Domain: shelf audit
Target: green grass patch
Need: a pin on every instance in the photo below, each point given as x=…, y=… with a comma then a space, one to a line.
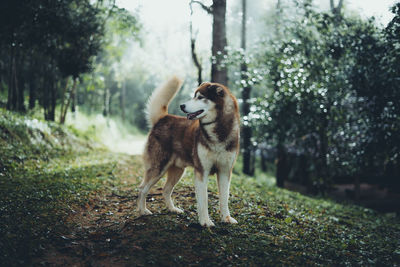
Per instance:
x=44, y=170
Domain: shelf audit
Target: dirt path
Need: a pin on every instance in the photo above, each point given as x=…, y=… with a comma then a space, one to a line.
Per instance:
x=288, y=230
x=107, y=230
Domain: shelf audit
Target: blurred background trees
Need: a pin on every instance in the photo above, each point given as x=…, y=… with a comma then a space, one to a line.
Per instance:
x=48, y=46
x=318, y=89
x=329, y=116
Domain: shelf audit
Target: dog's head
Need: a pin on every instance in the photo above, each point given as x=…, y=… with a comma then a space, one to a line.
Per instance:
x=207, y=98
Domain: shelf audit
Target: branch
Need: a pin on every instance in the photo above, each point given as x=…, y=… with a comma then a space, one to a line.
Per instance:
x=208, y=9
x=193, y=46
x=332, y=6
x=339, y=7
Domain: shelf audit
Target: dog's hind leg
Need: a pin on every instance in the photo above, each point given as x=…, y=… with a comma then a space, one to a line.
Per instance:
x=151, y=177
x=174, y=174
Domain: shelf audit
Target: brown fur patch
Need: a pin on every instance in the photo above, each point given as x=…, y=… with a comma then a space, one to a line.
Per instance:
x=217, y=93
x=232, y=145
x=174, y=138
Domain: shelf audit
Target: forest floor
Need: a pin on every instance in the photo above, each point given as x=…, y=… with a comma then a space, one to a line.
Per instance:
x=66, y=202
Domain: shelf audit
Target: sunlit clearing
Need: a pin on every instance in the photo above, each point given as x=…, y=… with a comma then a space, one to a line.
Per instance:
x=110, y=132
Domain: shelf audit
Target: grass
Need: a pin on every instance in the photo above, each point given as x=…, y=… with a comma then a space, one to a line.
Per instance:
x=64, y=201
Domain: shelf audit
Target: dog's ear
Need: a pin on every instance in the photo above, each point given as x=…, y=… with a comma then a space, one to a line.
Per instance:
x=217, y=90
x=220, y=91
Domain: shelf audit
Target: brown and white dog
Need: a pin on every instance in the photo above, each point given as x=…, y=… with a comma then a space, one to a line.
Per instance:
x=207, y=140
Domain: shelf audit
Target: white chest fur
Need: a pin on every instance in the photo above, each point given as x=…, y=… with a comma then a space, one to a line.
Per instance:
x=216, y=156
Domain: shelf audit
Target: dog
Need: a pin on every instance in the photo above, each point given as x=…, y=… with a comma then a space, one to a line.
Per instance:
x=207, y=139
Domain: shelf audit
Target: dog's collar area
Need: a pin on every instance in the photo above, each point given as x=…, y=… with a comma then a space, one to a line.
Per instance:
x=207, y=123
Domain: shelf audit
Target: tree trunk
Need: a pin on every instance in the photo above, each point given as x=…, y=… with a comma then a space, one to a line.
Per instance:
x=105, y=102
x=63, y=98
x=49, y=98
x=53, y=99
x=45, y=96
x=20, y=95
x=110, y=111
x=337, y=10
x=278, y=20
x=323, y=151
x=122, y=100
x=218, y=70
x=282, y=170
x=73, y=100
x=12, y=82
x=70, y=96
x=252, y=161
x=32, y=91
x=263, y=161
x=246, y=129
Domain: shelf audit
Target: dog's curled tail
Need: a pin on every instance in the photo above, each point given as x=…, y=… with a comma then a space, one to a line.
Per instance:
x=157, y=105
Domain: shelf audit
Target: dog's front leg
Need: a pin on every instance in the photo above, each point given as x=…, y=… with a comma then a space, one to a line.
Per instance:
x=200, y=184
x=224, y=180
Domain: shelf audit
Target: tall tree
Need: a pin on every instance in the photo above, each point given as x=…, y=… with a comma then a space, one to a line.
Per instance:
x=336, y=10
x=219, y=71
x=246, y=129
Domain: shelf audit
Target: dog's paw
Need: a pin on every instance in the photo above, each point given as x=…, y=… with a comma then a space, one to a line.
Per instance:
x=176, y=210
x=207, y=223
x=145, y=212
x=229, y=219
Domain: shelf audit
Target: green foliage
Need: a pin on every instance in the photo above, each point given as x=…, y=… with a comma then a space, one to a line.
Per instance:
x=111, y=88
x=375, y=78
x=331, y=96
x=44, y=43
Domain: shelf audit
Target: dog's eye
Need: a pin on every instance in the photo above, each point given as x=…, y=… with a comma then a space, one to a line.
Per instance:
x=200, y=97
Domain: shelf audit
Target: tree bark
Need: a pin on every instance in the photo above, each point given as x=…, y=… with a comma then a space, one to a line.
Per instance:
x=32, y=91
x=322, y=169
x=263, y=161
x=49, y=98
x=336, y=10
x=74, y=100
x=45, y=96
x=246, y=129
x=278, y=20
x=219, y=72
x=106, y=95
x=122, y=100
x=63, y=99
x=70, y=96
x=20, y=87
x=218, y=69
x=12, y=82
x=282, y=171
x=53, y=100
x=110, y=110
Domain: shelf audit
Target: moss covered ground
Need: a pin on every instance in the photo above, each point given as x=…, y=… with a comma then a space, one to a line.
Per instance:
x=68, y=202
